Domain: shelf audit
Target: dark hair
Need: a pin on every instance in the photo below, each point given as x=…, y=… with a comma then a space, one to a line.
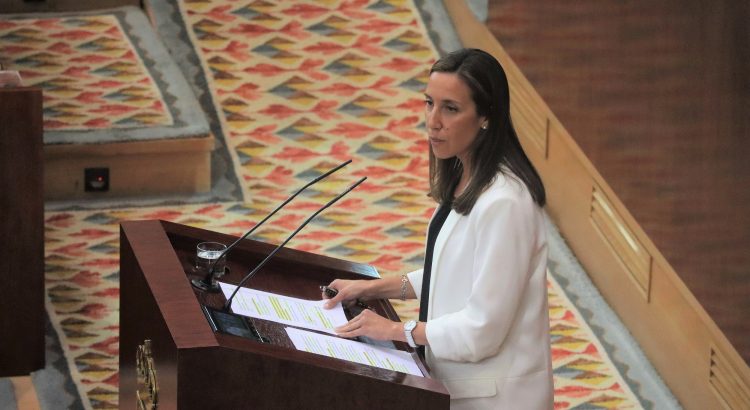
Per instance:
x=494, y=148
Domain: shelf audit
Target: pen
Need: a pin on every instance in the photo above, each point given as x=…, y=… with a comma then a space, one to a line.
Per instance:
x=331, y=292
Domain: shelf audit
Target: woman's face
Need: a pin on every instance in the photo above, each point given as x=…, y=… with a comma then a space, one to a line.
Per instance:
x=451, y=117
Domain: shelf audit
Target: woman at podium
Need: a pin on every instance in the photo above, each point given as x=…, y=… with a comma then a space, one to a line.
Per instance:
x=483, y=323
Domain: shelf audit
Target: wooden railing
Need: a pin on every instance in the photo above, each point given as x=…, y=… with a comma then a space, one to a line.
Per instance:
x=694, y=357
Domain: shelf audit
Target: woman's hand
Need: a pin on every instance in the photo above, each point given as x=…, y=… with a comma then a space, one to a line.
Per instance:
x=370, y=324
x=349, y=292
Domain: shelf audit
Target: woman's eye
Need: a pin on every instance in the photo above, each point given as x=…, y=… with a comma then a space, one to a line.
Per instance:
x=451, y=108
x=428, y=103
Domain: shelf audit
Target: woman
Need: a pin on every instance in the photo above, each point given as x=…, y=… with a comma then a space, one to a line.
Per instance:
x=483, y=324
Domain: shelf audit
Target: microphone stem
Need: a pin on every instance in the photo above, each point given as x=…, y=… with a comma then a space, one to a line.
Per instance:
x=209, y=276
x=228, y=303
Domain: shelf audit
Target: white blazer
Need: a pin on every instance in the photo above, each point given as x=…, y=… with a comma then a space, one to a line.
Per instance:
x=488, y=321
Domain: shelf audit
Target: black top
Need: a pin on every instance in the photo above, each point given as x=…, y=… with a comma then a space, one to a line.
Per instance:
x=432, y=233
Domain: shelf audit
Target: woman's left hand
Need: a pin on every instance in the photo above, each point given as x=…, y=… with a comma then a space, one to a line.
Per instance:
x=370, y=324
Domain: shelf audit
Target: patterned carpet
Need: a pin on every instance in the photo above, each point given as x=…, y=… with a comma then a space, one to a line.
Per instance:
x=91, y=75
x=299, y=87
x=83, y=286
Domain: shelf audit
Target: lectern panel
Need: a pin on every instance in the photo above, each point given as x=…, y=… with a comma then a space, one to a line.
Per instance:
x=197, y=368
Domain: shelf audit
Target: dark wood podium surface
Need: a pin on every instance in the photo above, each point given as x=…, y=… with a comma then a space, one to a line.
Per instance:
x=197, y=368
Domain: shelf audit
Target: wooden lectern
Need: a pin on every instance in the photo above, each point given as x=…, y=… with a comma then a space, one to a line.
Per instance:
x=195, y=368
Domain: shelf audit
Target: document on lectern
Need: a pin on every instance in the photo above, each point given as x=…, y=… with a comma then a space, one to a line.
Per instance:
x=308, y=314
x=353, y=351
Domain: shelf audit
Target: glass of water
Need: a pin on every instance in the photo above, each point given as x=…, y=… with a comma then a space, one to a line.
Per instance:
x=206, y=254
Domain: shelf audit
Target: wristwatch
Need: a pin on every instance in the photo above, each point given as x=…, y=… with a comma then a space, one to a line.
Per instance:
x=408, y=328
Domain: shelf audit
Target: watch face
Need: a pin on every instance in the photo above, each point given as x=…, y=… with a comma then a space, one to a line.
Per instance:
x=410, y=325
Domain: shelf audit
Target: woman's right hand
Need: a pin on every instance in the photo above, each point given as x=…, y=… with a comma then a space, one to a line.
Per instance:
x=349, y=292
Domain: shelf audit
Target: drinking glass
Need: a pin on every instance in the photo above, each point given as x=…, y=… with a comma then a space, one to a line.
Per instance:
x=206, y=254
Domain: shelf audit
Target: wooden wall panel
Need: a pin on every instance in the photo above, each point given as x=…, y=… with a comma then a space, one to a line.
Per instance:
x=675, y=336
x=656, y=96
x=726, y=382
x=160, y=167
x=21, y=232
x=622, y=241
x=697, y=361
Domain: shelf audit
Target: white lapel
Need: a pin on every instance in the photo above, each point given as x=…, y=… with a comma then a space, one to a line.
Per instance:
x=445, y=231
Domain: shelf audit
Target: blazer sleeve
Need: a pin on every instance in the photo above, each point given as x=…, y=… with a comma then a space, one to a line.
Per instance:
x=415, y=279
x=505, y=230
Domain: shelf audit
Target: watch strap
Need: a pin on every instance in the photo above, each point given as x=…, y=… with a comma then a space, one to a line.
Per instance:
x=408, y=329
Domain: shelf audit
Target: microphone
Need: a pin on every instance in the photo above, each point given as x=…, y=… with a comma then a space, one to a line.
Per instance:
x=207, y=283
x=228, y=303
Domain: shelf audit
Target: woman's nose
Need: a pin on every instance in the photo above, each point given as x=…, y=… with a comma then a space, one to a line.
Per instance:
x=433, y=120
